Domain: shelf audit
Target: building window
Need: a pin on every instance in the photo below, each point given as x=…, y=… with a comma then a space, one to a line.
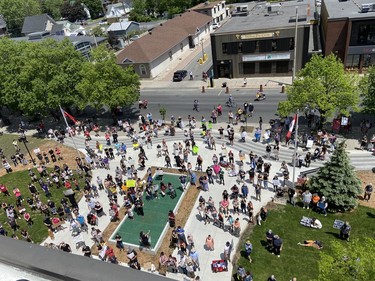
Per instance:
x=366, y=34
x=369, y=60
x=224, y=47
x=240, y=47
x=142, y=69
x=256, y=46
x=282, y=66
x=274, y=45
x=352, y=61
x=265, y=67
x=291, y=44
x=248, y=68
x=214, y=10
x=181, y=47
x=170, y=55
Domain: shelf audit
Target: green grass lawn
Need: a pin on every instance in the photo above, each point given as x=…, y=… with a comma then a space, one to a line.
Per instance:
x=156, y=215
x=298, y=261
x=6, y=141
x=38, y=231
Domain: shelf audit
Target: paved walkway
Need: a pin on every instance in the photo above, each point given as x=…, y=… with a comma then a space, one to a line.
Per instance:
x=194, y=225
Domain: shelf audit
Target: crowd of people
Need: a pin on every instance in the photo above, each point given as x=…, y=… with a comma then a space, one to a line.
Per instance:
x=224, y=214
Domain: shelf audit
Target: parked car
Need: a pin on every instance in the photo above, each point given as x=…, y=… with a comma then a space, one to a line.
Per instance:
x=134, y=37
x=215, y=25
x=179, y=75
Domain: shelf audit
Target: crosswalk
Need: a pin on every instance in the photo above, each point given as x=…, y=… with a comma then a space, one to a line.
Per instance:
x=361, y=160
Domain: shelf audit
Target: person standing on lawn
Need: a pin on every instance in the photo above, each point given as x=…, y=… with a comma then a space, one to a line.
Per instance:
x=306, y=197
x=345, y=231
x=248, y=250
x=277, y=245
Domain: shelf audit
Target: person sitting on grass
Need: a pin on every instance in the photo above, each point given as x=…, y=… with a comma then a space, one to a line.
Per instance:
x=312, y=243
x=315, y=223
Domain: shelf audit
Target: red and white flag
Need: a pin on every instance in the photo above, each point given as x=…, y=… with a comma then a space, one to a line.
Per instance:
x=291, y=127
x=66, y=114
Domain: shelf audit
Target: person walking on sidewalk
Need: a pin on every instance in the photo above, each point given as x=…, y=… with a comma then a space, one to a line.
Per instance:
x=227, y=251
x=210, y=243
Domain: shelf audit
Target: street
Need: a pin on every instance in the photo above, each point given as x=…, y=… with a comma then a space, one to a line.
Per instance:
x=179, y=102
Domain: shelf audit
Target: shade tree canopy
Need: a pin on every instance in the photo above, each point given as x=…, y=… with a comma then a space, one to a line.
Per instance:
x=323, y=85
x=105, y=84
x=37, y=77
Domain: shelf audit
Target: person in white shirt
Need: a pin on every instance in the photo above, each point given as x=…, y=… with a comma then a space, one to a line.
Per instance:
x=315, y=223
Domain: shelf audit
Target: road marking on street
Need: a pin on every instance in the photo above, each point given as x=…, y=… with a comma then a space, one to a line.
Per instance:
x=220, y=92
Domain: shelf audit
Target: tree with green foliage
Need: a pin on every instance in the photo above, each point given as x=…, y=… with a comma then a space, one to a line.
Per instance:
x=52, y=7
x=337, y=181
x=73, y=11
x=98, y=31
x=37, y=77
x=104, y=83
x=95, y=7
x=15, y=11
x=324, y=85
x=163, y=112
x=348, y=261
x=367, y=86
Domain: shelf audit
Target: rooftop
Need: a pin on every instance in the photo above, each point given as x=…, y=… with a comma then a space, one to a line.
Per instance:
x=123, y=25
x=206, y=5
x=347, y=9
x=36, y=23
x=74, y=39
x=163, y=37
x=282, y=15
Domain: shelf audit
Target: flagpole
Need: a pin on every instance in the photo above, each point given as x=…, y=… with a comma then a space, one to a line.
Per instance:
x=295, y=151
x=67, y=126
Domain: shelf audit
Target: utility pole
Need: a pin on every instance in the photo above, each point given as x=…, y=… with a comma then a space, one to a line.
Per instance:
x=295, y=152
x=295, y=46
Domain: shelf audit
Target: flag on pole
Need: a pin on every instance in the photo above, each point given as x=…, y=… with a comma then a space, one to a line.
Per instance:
x=66, y=114
x=291, y=127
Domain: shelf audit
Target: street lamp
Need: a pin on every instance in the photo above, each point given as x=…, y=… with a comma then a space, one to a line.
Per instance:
x=202, y=50
x=23, y=139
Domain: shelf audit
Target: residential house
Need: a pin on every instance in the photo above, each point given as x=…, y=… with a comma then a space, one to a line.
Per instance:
x=38, y=23
x=82, y=44
x=116, y=11
x=3, y=27
x=122, y=29
x=151, y=54
x=69, y=29
x=217, y=10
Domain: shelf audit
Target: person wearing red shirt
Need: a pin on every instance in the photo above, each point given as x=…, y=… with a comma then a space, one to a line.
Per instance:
x=4, y=190
x=67, y=184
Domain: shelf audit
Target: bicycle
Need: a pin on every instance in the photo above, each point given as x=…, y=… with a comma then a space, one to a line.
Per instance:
x=231, y=104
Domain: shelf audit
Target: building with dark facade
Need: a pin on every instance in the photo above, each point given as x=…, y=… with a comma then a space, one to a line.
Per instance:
x=260, y=42
x=348, y=30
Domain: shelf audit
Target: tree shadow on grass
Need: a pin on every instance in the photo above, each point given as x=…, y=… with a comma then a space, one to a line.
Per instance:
x=371, y=215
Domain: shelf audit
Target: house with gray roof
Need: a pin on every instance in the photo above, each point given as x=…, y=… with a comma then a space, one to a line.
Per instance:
x=121, y=29
x=151, y=54
x=116, y=11
x=38, y=23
